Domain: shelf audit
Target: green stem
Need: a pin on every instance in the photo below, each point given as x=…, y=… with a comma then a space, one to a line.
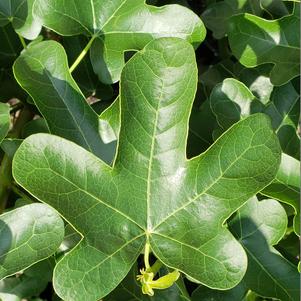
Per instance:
x=156, y=266
x=146, y=256
x=82, y=54
x=6, y=178
x=22, y=41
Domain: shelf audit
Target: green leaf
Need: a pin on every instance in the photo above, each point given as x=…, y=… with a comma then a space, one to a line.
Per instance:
x=129, y=289
x=4, y=120
x=201, y=126
x=28, y=234
x=10, y=145
x=10, y=46
x=19, y=12
x=109, y=122
x=118, y=26
x=257, y=80
x=255, y=41
x=31, y=282
x=217, y=15
x=60, y=101
x=259, y=226
x=286, y=186
x=231, y=101
x=284, y=112
x=152, y=193
x=206, y=294
x=83, y=74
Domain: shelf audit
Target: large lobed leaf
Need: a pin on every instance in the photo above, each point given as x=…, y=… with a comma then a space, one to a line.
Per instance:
x=152, y=193
x=118, y=26
x=231, y=101
x=259, y=226
x=28, y=234
x=255, y=41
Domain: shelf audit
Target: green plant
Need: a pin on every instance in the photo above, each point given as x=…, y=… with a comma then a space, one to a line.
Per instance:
x=181, y=182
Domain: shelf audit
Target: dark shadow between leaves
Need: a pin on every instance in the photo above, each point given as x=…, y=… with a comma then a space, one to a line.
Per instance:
x=5, y=240
x=263, y=259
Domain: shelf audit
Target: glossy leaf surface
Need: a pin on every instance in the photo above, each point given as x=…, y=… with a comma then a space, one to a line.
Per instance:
x=19, y=12
x=232, y=101
x=29, y=283
x=255, y=41
x=60, y=101
x=286, y=186
x=152, y=193
x=28, y=234
x=259, y=226
x=217, y=15
x=118, y=26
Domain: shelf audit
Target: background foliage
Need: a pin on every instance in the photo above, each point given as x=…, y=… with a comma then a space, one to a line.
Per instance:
x=60, y=69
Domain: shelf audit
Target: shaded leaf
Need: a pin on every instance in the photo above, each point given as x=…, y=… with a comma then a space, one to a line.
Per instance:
x=10, y=146
x=4, y=120
x=216, y=16
x=286, y=186
x=30, y=283
x=152, y=193
x=206, y=294
x=10, y=46
x=118, y=26
x=257, y=80
x=84, y=76
x=231, y=101
x=20, y=13
x=60, y=101
x=259, y=226
x=255, y=41
x=28, y=234
x=109, y=122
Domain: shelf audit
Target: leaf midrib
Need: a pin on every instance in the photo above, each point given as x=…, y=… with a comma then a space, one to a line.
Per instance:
x=203, y=192
x=66, y=104
x=87, y=193
x=267, y=272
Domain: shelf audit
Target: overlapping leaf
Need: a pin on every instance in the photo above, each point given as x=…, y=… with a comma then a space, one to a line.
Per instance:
x=152, y=193
x=286, y=186
x=231, y=101
x=4, y=120
x=29, y=283
x=118, y=26
x=19, y=12
x=255, y=41
x=28, y=234
x=259, y=226
x=58, y=97
x=217, y=15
